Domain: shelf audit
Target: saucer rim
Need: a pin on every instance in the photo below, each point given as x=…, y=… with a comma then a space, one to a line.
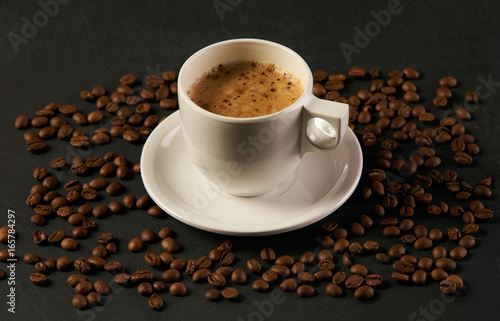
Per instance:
x=147, y=171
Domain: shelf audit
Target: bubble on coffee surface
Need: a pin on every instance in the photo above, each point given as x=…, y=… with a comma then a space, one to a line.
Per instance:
x=246, y=89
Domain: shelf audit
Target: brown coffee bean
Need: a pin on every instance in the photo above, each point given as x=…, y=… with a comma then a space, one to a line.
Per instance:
x=445, y=264
x=354, y=281
x=135, y=245
x=463, y=113
x=170, y=245
x=459, y=283
x=230, y=293
x=458, y=253
x=171, y=275
x=447, y=287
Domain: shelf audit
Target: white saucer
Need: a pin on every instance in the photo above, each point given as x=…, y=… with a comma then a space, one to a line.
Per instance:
x=323, y=182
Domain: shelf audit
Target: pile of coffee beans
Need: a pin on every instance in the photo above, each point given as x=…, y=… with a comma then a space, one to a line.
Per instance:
x=387, y=118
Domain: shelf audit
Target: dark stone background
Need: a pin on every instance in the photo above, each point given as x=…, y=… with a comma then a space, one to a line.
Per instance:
x=94, y=43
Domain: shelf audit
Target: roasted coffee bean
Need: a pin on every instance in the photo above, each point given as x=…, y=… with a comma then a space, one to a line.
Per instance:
x=203, y=274
x=80, y=141
x=326, y=264
x=389, y=221
x=357, y=229
x=355, y=248
x=230, y=293
x=35, y=145
x=453, y=233
x=148, y=236
x=159, y=286
x=171, y=275
x=98, y=183
x=166, y=258
x=212, y=295
x=78, y=232
x=79, y=301
x=82, y=265
x=190, y=267
x=446, y=264
x=100, y=211
x=306, y=277
x=307, y=257
x=281, y=270
x=458, y=253
x=122, y=278
x=74, y=279
x=270, y=276
x=323, y=275
x=305, y=291
x=339, y=233
x=457, y=280
x=482, y=214
x=218, y=280
x=114, y=188
x=40, y=121
x=447, y=287
x=38, y=219
x=365, y=221
x=75, y=219
x=359, y=270
x=391, y=231
x=439, y=274
x=239, y=276
x=84, y=209
x=135, y=244
x=340, y=246
x=364, y=292
x=143, y=201
x=396, y=251
x=152, y=260
x=84, y=287
x=131, y=135
x=129, y=201
x=170, y=103
x=97, y=262
x=69, y=244
x=298, y=267
x=63, y=263
x=145, y=288
x=470, y=228
x=286, y=260
x=93, y=298
x=403, y=267
x=108, y=170
x=333, y=290
x=325, y=255
x=354, y=281
x=170, y=245
x=179, y=264
x=463, y=158
x=31, y=258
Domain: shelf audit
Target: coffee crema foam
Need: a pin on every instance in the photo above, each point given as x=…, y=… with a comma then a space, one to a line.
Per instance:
x=246, y=89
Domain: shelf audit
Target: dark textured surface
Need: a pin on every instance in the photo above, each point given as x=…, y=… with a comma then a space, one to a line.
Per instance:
x=88, y=44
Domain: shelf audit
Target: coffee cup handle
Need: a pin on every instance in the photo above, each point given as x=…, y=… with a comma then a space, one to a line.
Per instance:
x=324, y=124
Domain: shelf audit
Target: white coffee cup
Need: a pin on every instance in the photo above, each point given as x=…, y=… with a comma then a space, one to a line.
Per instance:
x=253, y=156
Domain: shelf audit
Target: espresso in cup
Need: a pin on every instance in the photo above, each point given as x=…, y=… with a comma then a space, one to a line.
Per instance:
x=246, y=89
